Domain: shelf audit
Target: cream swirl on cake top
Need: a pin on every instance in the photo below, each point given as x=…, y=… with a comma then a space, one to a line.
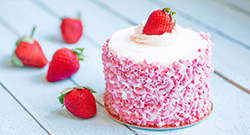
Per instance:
x=181, y=43
x=160, y=40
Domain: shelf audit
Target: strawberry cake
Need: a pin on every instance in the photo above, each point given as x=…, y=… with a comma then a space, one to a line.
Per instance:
x=158, y=73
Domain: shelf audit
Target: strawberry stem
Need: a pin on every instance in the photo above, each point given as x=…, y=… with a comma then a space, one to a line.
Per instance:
x=79, y=15
x=27, y=38
x=78, y=52
x=33, y=31
x=167, y=9
x=171, y=13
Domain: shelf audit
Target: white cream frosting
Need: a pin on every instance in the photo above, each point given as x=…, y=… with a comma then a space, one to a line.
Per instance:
x=180, y=44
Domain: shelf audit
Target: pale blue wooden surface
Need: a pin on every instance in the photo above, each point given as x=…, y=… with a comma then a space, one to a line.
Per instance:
x=34, y=101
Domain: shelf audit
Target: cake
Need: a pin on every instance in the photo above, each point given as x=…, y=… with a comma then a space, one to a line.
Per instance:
x=158, y=80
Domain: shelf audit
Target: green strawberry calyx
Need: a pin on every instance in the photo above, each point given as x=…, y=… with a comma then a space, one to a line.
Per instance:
x=78, y=16
x=28, y=39
x=16, y=61
x=167, y=10
x=67, y=90
x=78, y=52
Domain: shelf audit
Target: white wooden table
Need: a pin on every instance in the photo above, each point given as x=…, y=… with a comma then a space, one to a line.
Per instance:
x=29, y=104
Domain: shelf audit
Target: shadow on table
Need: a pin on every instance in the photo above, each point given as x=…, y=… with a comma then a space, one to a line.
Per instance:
x=65, y=113
x=6, y=62
x=55, y=39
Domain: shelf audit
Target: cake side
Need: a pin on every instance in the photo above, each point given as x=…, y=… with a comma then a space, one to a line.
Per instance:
x=155, y=94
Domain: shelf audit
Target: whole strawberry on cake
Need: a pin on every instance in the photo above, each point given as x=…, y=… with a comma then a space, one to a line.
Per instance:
x=158, y=73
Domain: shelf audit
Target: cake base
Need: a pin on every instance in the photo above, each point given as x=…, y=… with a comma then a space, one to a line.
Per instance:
x=149, y=127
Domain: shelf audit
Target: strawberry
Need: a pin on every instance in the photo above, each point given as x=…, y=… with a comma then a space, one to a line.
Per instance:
x=79, y=101
x=28, y=52
x=71, y=29
x=64, y=64
x=159, y=22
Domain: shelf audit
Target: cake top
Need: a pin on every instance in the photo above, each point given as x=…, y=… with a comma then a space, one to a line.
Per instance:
x=157, y=41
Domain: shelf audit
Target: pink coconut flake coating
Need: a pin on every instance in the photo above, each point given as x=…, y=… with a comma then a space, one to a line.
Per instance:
x=156, y=95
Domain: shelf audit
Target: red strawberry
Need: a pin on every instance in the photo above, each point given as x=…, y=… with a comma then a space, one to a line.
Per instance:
x=29, y=53
x=64, y=64
x=159, y=22
x=79, y=101
x=71, y=29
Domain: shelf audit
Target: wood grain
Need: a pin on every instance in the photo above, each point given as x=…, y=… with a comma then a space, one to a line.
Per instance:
x=227, y=21
x=230, y=59
x=94, y=80
x=241, y=6
x=14, y=118
x=28, y=85
x=230, y=115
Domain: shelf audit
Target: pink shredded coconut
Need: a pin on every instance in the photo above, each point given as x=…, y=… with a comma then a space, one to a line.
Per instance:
x=156, y=95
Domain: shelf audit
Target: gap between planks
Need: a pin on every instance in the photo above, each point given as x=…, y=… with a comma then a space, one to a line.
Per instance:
x=25, y=109
x=232, y=82
x=79, y=85
x=54, y=14
x=233, y=6
x=2, y=21
x=103, y=107
x=108, y=8
x=9, y=27
x=200, y=23
x=15, y=32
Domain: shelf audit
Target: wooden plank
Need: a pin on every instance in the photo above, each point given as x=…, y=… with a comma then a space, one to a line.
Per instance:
x=238, y=5
x=14, y=119
x=99, y=33
x=219, y=123
x=228, y=22
x=233, y=66
x=98, y=24
x=230, y=115
x=37, y=95
x=225, y=66
x=91, y=71
x=142, y=132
